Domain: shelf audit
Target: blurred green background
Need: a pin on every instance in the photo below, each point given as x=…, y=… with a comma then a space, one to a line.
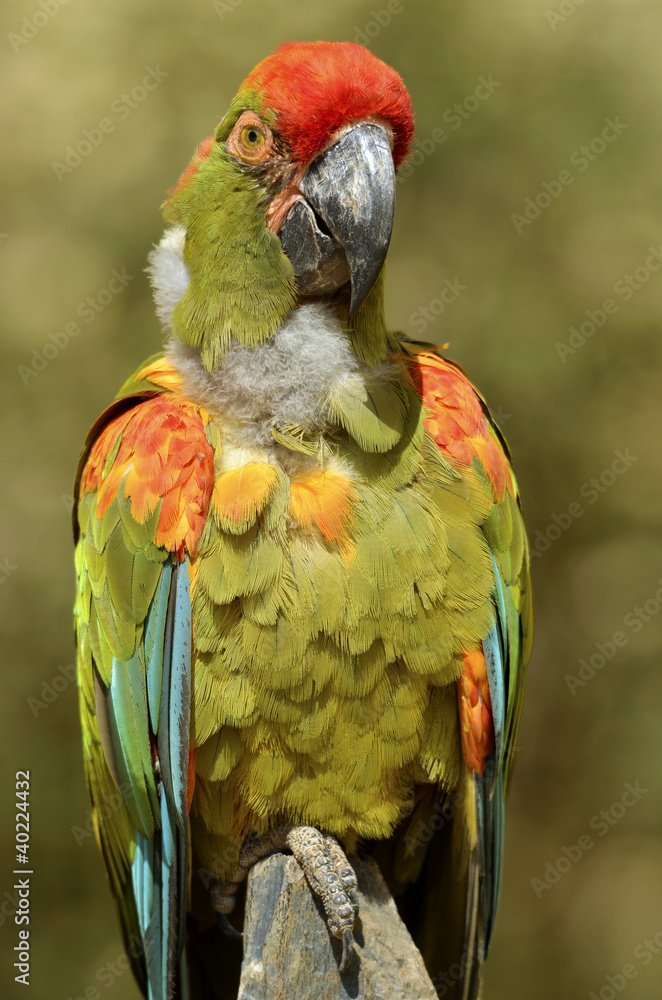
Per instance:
x=551, y=78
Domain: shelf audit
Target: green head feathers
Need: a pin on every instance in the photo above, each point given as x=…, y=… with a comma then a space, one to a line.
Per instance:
x=242, y=284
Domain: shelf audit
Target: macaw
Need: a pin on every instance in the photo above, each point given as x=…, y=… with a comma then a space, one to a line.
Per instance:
x=303, y=610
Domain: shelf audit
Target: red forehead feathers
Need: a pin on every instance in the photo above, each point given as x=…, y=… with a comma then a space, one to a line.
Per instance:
x=317, y=87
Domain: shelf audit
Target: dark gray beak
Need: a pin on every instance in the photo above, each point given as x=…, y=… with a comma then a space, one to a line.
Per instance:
x=342, y=230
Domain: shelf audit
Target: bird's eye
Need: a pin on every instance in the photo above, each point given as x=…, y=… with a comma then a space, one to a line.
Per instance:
x=252, y=137
x=251, y=140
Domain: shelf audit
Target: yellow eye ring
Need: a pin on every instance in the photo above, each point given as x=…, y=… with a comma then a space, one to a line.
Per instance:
x=251, y=140
x=252, y=137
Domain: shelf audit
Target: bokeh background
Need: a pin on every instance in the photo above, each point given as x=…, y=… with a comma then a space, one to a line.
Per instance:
x=556, y=75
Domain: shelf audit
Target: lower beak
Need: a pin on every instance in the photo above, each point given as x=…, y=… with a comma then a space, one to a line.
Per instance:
x=341, y=230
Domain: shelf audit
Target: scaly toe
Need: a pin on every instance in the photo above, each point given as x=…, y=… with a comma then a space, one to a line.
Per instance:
x=330, y=876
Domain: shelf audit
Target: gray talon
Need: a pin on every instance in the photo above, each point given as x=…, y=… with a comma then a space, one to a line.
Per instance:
x=347, y=949
x=227, y=927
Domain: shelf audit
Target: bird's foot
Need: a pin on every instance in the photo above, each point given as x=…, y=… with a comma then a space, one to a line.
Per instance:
x=332, y=878
x=327, y=870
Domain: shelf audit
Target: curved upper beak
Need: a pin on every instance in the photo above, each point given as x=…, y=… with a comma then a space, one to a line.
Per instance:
x=341, y=231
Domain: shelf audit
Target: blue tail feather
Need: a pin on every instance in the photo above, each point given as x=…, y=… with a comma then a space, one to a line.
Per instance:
x=174, y=711
x=160, y=866
x=154, y=640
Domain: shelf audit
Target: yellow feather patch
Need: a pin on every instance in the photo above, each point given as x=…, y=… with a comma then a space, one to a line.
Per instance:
x=193, y=574
x=162, y=373
x=323, y=499
x=240, y=494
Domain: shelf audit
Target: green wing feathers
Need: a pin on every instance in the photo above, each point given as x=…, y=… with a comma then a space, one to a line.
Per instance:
x=137, y=521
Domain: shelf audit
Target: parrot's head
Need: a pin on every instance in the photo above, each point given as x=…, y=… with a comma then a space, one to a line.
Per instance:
x=290, y=200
